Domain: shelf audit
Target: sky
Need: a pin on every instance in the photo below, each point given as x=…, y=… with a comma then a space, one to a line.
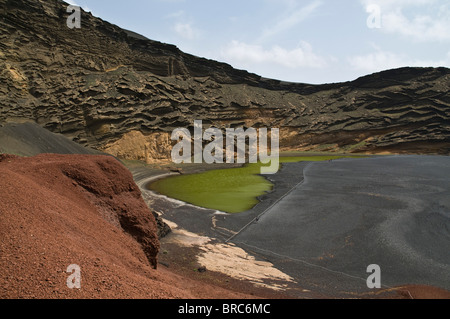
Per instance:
x=307, y=41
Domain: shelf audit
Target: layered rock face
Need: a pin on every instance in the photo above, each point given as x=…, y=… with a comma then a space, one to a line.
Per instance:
x=110, y=89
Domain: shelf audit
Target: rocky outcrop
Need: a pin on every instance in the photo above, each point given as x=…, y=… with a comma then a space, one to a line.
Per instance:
x=29, y=139
x=99, y=185
x=134, y=145
x=101, y=86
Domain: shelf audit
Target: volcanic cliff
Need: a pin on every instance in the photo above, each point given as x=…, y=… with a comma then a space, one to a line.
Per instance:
x=113, y=90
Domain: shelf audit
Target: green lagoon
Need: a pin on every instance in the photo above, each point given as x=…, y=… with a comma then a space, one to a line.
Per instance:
x=232, y=190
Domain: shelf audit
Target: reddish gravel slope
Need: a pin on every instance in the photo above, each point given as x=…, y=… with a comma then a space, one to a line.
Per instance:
x=59, y=210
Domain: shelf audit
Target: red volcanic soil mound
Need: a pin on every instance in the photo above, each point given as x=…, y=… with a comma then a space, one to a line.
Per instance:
x=85, y=210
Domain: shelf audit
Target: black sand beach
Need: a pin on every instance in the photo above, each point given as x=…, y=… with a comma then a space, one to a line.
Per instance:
x=336, y=218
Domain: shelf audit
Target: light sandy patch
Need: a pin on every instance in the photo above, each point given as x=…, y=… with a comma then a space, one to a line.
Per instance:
x=235, y=262
x=183, y=237
x=229, y=259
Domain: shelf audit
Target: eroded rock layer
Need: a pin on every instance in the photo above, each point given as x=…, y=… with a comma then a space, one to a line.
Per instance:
x=101, y=86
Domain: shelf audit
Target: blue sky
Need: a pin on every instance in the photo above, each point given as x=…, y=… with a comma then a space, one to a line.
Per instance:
x=312, y=41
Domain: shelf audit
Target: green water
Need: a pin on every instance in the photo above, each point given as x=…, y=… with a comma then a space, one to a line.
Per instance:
x=231, y=190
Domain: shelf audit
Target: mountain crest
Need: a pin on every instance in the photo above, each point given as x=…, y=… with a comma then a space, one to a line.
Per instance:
x=100, y=83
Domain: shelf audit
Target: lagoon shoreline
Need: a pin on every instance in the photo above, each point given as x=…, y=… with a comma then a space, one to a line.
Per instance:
x=224, y=228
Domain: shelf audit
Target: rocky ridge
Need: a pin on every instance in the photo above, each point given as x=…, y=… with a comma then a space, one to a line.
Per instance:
x=29, y=139
x=113, y=90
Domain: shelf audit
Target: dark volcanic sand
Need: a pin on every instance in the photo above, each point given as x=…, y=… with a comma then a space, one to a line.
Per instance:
x=347, y=214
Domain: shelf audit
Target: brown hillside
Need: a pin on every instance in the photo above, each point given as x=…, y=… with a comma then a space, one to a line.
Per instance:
x=103, y=86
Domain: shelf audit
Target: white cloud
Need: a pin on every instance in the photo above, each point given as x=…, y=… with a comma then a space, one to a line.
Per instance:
x=292, y=19
x=175, y=15
x=384, y=60
x=426, y=20
x=419, y=27
x=183, y=25
x=186, y=31
x=390, y=4
x=244, y=54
